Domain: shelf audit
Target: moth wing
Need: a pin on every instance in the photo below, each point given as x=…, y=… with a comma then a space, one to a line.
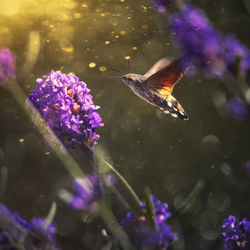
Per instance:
x=164, y=80
x=163, y=62
x=174, y=108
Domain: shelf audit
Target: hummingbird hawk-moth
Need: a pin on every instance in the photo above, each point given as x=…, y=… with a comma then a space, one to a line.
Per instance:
x=156, y=86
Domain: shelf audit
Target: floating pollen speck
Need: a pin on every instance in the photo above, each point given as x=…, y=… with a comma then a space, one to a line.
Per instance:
x=21, y=140
x=122, y=32
x=77, y=15
x=134, y=48
x=126, y=57
x=92, y=64
x=107, y=42
x=103, y=68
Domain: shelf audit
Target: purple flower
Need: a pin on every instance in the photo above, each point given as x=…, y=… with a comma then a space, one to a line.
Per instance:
x=231, y=49
x=238, y=108
x=209, y=49
x=237, y=237
x=7, y=65
x=143, y=235
x=30, y=235
x=196, y=37
x=86, y=193
x=68, y=108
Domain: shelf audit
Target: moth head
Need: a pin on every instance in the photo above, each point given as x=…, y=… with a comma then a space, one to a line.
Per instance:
x=129, y=79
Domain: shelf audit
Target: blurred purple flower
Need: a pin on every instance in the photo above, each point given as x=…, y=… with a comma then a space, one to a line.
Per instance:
x=68, y=108
x=231, y=49
x=196, y=37
x=16, y=231
x=7, y=65
x=237, y=237
x=143, y=235
x=86, y=193
x=248, y=167
x=238, y=108
x=209, y=49
x=161, y=5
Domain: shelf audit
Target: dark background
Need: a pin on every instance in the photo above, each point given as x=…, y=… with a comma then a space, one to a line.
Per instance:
x=149, y=148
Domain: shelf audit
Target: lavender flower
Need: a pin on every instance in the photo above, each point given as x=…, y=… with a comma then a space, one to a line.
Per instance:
x=86, y=193
x=68, y=108
x=16, y=231
x=237, y=237
x=196, y=37
x=210, y=50
x=7, y=65
x=233, y=49
x=143, y=235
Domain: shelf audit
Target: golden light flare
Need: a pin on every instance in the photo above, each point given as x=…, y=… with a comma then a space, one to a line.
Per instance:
x=92, y=65
x=74, y=33
x=66, y=46
x=103, y=68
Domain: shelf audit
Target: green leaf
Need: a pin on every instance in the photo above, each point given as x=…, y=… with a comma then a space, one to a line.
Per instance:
x=189, y=201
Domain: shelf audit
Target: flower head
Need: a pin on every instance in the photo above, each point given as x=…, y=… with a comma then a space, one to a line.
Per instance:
x=86, y=193
x=237, y=237
x=233, y=49
x=68, y=108
x=196, y=37
x=210, y=50
x=143, y=235
x=7, y=65
x=15, y=230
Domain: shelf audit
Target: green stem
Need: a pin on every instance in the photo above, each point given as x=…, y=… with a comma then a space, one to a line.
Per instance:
x=189, y=201
x=123, y=180
x=149, y=207
x=114, y=226
x=50, y=216
x=68, y=162
x=3, y=180
x=45, y=131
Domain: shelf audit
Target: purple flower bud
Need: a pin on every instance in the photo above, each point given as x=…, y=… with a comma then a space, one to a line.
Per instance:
x=7, y=65
x=68, y=108
x=143, y=236
x=238, y=108
x=86, y=193
x=15, y=230
x=237, y=237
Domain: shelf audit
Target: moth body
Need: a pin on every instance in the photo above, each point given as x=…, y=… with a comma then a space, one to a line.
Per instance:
x=142, y=87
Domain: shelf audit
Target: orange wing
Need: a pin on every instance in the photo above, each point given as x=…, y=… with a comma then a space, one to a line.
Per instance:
x=165, y=79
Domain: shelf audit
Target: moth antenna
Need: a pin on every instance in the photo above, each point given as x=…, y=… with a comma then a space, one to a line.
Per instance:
x=117, y=70
x=129, y=66
x=111, y=77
